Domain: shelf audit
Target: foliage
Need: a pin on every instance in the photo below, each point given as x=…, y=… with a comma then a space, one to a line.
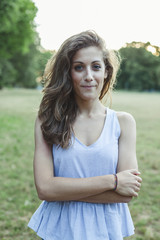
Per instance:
x=17, y=26
x=148, y=46
x=8, y=73
x=140, y=69
x=44, y=56
x=22, y=60
x=18, y=43
x=17, y=192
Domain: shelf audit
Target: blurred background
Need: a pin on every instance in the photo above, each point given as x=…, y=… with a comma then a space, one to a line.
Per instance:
x=30, y=33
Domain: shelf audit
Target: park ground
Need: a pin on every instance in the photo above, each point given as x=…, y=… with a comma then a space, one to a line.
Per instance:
x=18, y=198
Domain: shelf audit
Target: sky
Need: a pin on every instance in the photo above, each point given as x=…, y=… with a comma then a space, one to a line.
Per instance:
x=116, y=21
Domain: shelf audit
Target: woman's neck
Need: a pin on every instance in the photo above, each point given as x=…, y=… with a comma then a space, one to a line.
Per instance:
x=89, y=108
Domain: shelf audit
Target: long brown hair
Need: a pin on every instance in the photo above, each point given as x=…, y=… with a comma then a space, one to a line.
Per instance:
x=58, y=108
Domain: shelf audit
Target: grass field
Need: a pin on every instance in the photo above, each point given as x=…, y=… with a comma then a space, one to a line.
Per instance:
x=18, y=198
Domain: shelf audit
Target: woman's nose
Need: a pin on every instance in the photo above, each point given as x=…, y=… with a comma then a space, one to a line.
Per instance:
x=89, y=75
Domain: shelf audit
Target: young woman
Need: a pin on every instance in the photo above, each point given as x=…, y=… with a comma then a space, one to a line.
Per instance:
x=85, y=163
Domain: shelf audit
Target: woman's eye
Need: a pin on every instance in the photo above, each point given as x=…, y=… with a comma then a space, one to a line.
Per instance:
x=96, y=67
x=78, y=67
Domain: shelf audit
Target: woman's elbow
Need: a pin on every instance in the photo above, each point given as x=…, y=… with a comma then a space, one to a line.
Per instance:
x=41, y=196
x=42, y=193
x=46, y=193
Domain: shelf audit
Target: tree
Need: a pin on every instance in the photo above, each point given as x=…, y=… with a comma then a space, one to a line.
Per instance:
x=140, y=69
x=148, y=46
x=17, y=26
x=26, y=66
x=17, y=38
x=44, y=56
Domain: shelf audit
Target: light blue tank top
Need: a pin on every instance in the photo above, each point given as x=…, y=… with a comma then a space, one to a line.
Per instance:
x=74, y=220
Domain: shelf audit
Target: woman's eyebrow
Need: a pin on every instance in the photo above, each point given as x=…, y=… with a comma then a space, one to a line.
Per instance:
x=77, y=62
x=83, y=62
x=96, y=61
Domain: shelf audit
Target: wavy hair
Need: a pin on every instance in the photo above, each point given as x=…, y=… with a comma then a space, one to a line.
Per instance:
x=58, y=108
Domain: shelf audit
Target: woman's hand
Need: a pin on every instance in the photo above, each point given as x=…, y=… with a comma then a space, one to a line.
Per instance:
x=129, y=183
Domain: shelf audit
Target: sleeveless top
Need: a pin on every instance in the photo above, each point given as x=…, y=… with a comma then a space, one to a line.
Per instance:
x=73, y=220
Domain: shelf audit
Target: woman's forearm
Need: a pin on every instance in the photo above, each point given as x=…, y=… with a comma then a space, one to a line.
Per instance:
x=70, y=189
x=107, y=197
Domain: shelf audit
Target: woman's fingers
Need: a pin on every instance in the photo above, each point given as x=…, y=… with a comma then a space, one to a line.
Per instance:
x=134, y=171
x=138, y=184
x=135, y=194
x=139, y=179
x=137, y=189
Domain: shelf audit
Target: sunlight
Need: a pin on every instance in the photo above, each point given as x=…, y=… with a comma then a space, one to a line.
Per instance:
x=151, y=49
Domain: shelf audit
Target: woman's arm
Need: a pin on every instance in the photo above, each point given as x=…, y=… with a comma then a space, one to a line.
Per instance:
x=127, y=161
x=107, y=197
x=52, y=188
x=127, y=155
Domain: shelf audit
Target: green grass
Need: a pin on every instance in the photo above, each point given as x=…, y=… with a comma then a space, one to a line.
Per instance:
x=18, y=196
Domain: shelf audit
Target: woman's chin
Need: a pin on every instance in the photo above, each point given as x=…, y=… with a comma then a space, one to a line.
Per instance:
x=88, y=98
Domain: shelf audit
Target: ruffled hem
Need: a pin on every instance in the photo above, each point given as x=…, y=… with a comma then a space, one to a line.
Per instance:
x=80, y=220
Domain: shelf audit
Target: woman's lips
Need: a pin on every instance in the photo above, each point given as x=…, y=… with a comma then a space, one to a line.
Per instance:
x=88, y=86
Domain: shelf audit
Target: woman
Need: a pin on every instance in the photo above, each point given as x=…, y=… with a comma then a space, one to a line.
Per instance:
x=85, y=163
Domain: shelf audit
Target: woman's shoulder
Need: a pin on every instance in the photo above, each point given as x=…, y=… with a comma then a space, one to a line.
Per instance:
x=124, y=116
x=126, y=120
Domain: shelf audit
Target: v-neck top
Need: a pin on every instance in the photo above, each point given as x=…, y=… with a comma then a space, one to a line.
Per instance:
x=73, y=220
x=94, y=143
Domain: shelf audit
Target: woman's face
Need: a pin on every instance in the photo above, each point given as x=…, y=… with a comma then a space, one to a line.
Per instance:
x=88, y=73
